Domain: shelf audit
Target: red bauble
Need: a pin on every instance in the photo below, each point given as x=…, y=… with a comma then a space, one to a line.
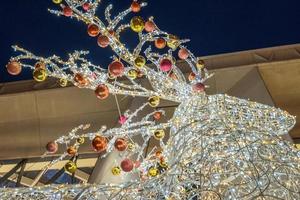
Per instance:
x=14, y=68
x=157, y=115
x=192, y=76
x=120, y=144
x=198, y=87
x=68, y=12
x=165, y=65
x=150, y=26
x=127, y=165
x=51, y=147
x=183, y=53
x=86, y=6
x=116, y=68
x=135, y=7
x=103, y=41
x=81, y=80
x=102, y=91
x=99, y=143
x=160, y=43
x=93, y=30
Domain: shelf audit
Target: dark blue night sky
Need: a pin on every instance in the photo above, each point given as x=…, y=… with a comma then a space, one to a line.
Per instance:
x=214, y=26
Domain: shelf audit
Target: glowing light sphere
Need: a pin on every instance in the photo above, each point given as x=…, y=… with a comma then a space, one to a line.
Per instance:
x=99, y=143
x=51, y=147
x=40, y=74
x=139, y=61
x=63, y=82
x=120, y=144
x=159, y=134
x=102, y=91
x=183, y=53
x=165, y=65
x=153, y=172
x=116, y=171
x=137, y=24
x=132, y=73
x=127, y=165
x=160, y=43
x=93, y=30
x=71, y=150
x=70, y=167
x=198, y=87
x=14, y=68
x=154, y=101
x=116, y=68
x=150, y=26
x=135, y=7
x=67, y=11
x=103, y=41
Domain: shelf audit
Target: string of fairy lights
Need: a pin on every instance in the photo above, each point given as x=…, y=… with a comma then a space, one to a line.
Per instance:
x=218, y=147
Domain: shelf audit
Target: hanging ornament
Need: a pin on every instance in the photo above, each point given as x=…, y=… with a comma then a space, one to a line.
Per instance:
x=57, y=1
x=150, y=26
x=93, y=30
x=116, y=68
x=132, y=73
x=122, y=119
x=165, y=65
x=127, y=165
x=158, y=154
x=120, y=144
x=200, y=63
x=154, y=101
x=173, y=42
x=14, y=68
x=192, y=76
x=80, y=140
x=103, y=41
x=81, y=80
x=40, y=65
x=153, y=172
x=137, y=24
x=39, y=74
x=140, y=74
x=163, y=164
x=71, y=150
x=70, y=167
x=116, y=171
x=160, y=43
x=135, y=7
x=157, y=115
x=51, y=147
x=130, y=146
x=99, y=143
x=183, y=53
x=139, y=61
x=159, y=134
x=198, y=87
x=102, y=91
x=63, y=82
x=86, y=6
x=67, y=11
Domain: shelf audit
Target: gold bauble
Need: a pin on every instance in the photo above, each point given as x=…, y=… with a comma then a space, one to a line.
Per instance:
x=173, y=42
x=70, y=167
x=132, y=73
x=63, y=82
x=200, y=63
x=80, y=140
x=139, y=62
x=57, y=1
x=154, y=101
x=116, y=171
x=159, y=134
x=130, y=146
x=137, y=24
x=297, y=146
x=163, y=164
x=152, y=171
x=39, y=74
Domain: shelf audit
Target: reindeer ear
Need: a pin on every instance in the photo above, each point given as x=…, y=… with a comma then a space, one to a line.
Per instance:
x=240, y=113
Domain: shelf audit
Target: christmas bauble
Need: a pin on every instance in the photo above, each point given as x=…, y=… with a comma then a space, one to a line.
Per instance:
x=154, y=101
x=80, y=140
x=71, y=150
x=99, y=143
x=140, y=74
x=93, y=30
x=127, y=165
x=116, y=171
x=67, y=11
x=135, y=7
x=116, y=68
x=63, y=82
x=81, y=80
x=153, y=171
x=39, y=74
x=149, y=26
x=14, y=68
x=70, y=167
x=158, y=154
x=130, y=146
x=120, y=144
x=198, y=87
x=40, y=65
x=57, y=1
x=159, y=134
x=157, y=115
x=122, y=119
x=165, y=65
x=103, y=41
x=102, y=91
x=137, y=164
x=137, y=24
x=183, y=53
x=192, y=76
x=51, y=147
x=86, y=6
x=173, y=41
x=132, y=73
x=139, y=61
x=200, y=63
x=160, y=43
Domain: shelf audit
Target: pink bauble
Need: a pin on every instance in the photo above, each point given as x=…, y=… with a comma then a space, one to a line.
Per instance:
x=51, y=147
x=149, y=26
x=199, y=87
x=122, y=119
x=183, y=53
x=127, y=165
x=165, y=65
x=86, y=6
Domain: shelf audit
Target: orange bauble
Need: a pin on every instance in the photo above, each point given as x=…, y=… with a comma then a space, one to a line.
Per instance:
x=103, y=41
x=81, y=80
x=102, y=91
x=14, y=68
x=116, y=68
x=120, y=144
x=93, y=30
x=99, y=143
x=135, y=7
x=67, y=11
x=192, y=76
x=40, y=65
x=160, y=43
x=71, y=151
x=183, y=53
x=150, y=26
x=157, y=115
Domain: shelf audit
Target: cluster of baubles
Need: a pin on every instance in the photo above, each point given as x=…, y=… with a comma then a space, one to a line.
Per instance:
x=67, y=11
